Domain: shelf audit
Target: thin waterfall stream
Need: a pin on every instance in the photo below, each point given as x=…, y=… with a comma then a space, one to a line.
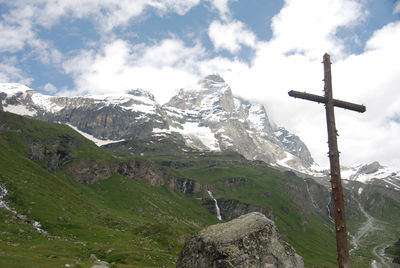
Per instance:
x=216, y=206
x=3, y=204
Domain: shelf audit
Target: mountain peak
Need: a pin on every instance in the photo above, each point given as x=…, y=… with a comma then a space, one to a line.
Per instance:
x=13, y=88
x=214, y=82
x=141, y=93
x=215, y=78
x=370, y=168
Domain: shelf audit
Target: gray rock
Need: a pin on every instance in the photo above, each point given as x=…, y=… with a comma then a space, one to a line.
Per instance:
x=295, y=146
x=2, y=97
x=230, y=208
x=370, y=168
x=89, y=171
x=93, y=257
x=251, y=240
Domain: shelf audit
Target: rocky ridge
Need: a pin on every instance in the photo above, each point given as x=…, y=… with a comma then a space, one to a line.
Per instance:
x=90, y=171
x=373, y=173
x=205, y=117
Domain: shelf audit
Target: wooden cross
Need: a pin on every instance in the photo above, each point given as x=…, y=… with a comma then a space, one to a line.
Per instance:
x=336, y=181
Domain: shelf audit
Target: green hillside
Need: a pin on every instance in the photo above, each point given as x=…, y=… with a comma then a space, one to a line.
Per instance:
x=121, y=218
x=122, y=221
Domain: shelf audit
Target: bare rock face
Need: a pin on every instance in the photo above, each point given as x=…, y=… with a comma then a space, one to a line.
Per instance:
x=90, y=171
x=251, y=240
x=2, y=97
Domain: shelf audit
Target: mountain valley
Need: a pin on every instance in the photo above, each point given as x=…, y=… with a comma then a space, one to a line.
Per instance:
x=134, y=201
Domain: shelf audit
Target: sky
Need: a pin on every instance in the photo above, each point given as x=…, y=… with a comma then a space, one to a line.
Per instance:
x=262, y=48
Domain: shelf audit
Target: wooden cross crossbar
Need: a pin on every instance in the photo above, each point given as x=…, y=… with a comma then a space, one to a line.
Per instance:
x=337, y=103
x=336, y=181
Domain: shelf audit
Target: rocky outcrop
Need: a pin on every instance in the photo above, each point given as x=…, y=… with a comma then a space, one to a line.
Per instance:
x=230, y=208
x=2, y=97
x=232, y=182
x=294, y=145
x=89, y=171
x=55, y=154
x=251, y=240
x=370, y=168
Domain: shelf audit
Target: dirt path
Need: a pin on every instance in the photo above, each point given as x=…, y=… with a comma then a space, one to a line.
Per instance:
x=367, y=227
x=371, y=225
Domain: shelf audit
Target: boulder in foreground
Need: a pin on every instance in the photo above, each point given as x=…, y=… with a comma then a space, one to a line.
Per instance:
x=252, y=240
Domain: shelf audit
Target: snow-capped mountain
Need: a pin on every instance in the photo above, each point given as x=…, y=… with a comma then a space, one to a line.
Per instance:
x=112, y=116
x=232, y=123
x=206, y=117
x=373, y=173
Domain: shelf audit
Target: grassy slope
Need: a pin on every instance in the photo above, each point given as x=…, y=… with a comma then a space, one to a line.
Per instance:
x=120, y=220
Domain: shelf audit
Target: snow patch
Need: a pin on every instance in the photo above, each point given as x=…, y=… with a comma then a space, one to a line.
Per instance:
x=204, y=134
x=257, y=117
x=209, y=102
x=237, y=104
x=284, y=162
x=46, y=103
x=192, y=131
x=126, y=101
x=13, y=88
x=97, y=141
x=18, y=109
x=360, y=191
x=278, y=133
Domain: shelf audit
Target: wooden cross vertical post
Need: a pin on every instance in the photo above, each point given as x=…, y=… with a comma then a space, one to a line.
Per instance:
x=336, y=181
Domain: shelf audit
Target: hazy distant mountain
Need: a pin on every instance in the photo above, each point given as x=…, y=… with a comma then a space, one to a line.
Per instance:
x=373, y=173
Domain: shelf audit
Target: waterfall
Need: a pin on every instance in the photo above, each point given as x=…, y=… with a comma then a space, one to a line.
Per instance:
x=328, y=207
x=315, y=205
x=216, y=206
x=3, y=204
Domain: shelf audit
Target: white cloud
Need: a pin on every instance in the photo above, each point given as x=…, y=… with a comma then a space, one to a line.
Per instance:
x=231, y=35
x=370, y=78
x=14, y=37
x=17, y=33
x=108, y=14
x=181, y=7
x=45, y=52
x=169, y=52
x=310, y=26
x=386, y=38
x=396, y=7
x=50, y=88
x=119, y=66
x=223, y=8
x=10, y=73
